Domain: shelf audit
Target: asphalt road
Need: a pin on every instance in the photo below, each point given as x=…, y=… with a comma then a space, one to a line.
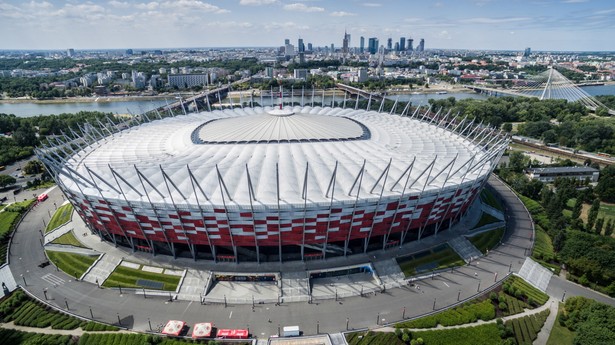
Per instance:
x=138, y=312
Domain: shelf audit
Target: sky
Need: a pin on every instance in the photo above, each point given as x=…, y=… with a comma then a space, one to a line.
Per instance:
x=579, y=25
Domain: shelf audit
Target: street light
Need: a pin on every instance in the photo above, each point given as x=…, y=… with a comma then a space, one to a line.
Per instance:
x=66, y=302
x=478, y=290
x=458, y=294
x=45, y=293
x=317, y=327
x=24, y=280
x=150, y=324
x=347, y=321
x=119, y=321
x=434, y=303
x=403, y=314
x=91, y=314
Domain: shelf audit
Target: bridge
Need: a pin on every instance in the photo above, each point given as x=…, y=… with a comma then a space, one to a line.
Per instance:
x=202, y=101
x=359, y=92
x=550, y=84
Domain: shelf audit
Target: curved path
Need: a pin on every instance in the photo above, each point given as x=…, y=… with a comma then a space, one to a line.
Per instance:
x=264, y=320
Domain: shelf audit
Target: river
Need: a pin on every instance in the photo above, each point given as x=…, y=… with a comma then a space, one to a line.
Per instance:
x=27, y=109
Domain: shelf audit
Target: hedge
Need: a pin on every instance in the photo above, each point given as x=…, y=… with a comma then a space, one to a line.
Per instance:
x=466, y=313
x=487, y=334
x=14, y=337
x=526, y=328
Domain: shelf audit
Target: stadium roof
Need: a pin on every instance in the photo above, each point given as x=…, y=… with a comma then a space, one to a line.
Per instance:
x=160, y=160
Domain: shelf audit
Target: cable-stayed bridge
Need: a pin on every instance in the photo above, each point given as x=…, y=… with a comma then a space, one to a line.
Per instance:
x=550, y=84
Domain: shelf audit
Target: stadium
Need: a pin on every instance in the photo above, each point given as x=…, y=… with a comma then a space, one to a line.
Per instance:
x=273, y=184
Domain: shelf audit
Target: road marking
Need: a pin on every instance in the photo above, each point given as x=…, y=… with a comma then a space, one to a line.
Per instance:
x=230, y=315
x=446, y=284
x=52, y=279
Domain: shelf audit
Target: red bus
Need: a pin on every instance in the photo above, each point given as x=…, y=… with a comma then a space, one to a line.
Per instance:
x=232, y=334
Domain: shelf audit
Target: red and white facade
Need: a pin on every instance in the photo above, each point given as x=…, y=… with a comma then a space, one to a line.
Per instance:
x=263, y=184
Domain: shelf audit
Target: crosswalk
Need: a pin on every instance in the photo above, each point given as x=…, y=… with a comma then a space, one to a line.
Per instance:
x=53, y=279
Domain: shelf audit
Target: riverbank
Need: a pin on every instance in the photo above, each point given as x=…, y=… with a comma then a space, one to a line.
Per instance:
x=104, y=99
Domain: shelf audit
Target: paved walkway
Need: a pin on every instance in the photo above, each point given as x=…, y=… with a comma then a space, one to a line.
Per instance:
x=552, y=301
x=545, y=331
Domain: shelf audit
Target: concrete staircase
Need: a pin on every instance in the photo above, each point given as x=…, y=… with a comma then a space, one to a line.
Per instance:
x=101, y=269
x=465, y=248
x=535, y=274
x=192, y=286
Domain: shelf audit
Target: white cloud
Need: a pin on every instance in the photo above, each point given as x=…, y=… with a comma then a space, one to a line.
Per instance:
x=150, y=6
x=484, y=20
x=342, y=14
x=372, y=4
x=299, y=7
x=119, y=4
x=192, y=5
x=257, y=2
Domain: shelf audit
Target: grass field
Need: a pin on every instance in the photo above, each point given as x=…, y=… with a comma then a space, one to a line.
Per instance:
x=72, y=264
x=61, y=216
x=485, y=219
x=127, y=277
x=435, y=258
x=518, y=287
x=8, y=219
x=560, y=335
x=487, y=240
x=543, y=246
x=69, y=239
x=488, y=198
x=607, y=211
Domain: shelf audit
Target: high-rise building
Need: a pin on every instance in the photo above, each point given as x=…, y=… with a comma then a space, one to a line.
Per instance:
x=389, y=43
x=372, y=45
x=345, y=43
x=70, y=52
x=300, y=45
x=129, y=52
x=410, y=44
x=332, y=48
x=421, y=46
x=287, y=41
x=402, y=44
x=396, y=46
x=362, y=46
x=527, y=52
x=310, y=48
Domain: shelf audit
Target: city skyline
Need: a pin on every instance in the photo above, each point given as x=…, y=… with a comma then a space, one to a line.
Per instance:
x=566, y=25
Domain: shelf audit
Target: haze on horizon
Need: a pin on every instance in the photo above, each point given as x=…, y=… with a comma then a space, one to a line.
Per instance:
x=564, y=25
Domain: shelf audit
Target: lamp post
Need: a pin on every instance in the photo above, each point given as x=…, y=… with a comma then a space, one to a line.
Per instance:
x=478, y=289
x=458, y=295
x=45, y=293
x=347, y=321
x=149, y=322
x=119, y=321
x=91, y=314
x=66, y=302
x=403, y=314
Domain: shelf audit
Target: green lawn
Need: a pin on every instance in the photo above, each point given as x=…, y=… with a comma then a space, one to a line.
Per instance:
x=543, y=246
x=466, y=313
x=487, y=240
x=72, y=264
x=485, y=219
x=61, y=216
x=438, y=257
x=127, y=277
x=560, y=335
x=488, y=198
x=8, y=218
x=518, y=287
x=69, y=239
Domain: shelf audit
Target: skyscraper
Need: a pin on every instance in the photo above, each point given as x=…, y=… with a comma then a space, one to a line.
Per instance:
x=389, y=43
x=287, y=41
x=372, y=45
x=421, y=46
x=70, y=52
x=300, y=45
x=410, y=44
x=527, y=52
x=309, y=48
x=362, y=47
x=345, y=43
x=402, y=44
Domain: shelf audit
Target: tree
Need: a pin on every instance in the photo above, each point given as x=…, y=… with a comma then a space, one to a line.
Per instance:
x=25, y=136
x=6, y=180
x=593, y=214
x=599, y=225
x=606, y=184
x=608, y=229
x=33, y=167
x=576, y=209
